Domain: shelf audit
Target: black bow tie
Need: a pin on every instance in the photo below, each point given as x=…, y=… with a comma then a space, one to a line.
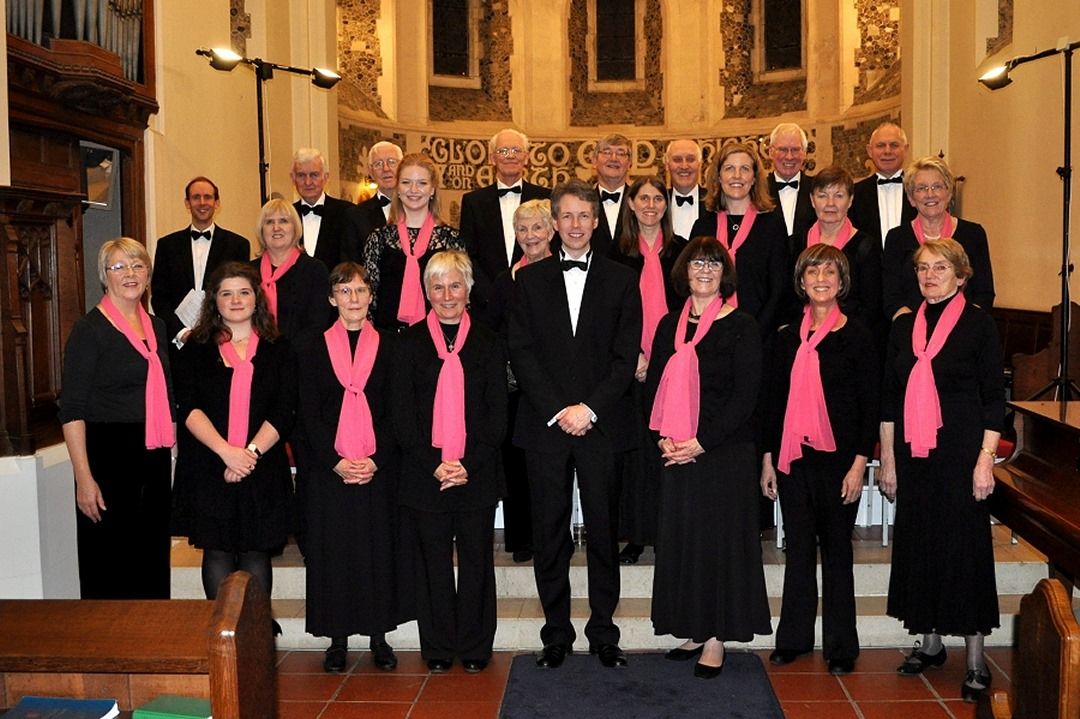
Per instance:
x=515, y=189
x=200, y=235
x=574, y=265
x=307, y=209
x=383, y=200
x=793, y=184
x=613, y=196
x=681, y=200
x=899, y=179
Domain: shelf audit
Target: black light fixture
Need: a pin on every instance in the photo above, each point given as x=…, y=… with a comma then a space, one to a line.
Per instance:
x=225, y=60
x=1062, y=385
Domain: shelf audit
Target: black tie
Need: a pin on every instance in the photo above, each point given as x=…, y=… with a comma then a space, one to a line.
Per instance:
x=307, y=209
x=203, y=235
x=504, y=190
x=793, y=184
x=681, y=200
x=605, y=196
x=383, y=200
x=899, y=179
x=575, y=265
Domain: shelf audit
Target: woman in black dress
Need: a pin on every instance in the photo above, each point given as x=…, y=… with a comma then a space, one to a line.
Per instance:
x=929, y=184
x=943, y=406
x=117, y=418
x=449, y=413
x=703, y=383
x=821, y=421
x=741, y=218
x=648, y=246
x=348, y=456
x=394, y=274
x=237, y=394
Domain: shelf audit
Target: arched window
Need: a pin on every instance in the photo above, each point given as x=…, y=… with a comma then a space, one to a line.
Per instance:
x=455, y=48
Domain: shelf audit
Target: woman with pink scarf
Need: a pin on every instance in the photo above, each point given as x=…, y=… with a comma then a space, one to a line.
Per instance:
x=703, y=381
x=449, y=413
x=942, y=410
x=820, y=424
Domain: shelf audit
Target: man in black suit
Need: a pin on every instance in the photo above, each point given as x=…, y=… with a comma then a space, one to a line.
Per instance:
x=686, y=199
x=574, y=333
x=371, y=214
x=789, y=188
x=612, y=160
x=323, y=216
x=185, y=259
x=487, y=214
x=880, y=203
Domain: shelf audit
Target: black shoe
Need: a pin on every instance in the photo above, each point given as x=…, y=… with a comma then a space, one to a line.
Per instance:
x=439, y=666
x=678, y=654
x=918, y=660
x=553, y=655
x=474, y=666
x=523, y=555
x=610, y=655
x=780, y=657
x=840, y=667
x=631, y=553
x=383, y=655
x=975, y=685
x=704, y=671
x=335, y=659
x=276, y=627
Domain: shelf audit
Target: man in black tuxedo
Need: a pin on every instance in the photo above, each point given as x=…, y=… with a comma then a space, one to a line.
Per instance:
x=323, y=216
x=185, y=259
x=686, y=198
x=487, y=214
x=574, y=333
x=612, y=160
x=789, y=187
x=880, y=203
x=371, y=214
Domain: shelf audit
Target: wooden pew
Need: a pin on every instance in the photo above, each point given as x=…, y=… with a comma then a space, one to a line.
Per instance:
x=134, y=650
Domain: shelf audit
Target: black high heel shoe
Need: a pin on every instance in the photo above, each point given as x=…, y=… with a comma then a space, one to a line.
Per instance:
x=918, y=661
x=974, y=685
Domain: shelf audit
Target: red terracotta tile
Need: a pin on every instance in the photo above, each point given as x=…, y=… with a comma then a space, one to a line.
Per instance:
x=306, y=662
x=408, y=663
x=455, y=710
x=879, y=660
x=962, y=709
x=309, y=687
x=299, y=710
x=812, y=663
x=366, y=710
x=482, y=687
x=819, y=710
x=903, y=710
x=381, y=688
x=1001, y=660
x=886, y=687
x=946, y=681
x=806, y=687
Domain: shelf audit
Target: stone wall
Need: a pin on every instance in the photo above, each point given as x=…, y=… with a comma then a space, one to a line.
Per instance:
x=239, y=26
x=1005, y=28
x=359, y=59
x=849, y=144
x=879, y=37
x=492, y=100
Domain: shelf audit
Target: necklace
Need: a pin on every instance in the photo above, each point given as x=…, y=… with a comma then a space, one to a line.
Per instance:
x=449, y=342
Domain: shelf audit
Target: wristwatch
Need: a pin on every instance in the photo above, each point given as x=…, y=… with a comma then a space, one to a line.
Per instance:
x=254, y=449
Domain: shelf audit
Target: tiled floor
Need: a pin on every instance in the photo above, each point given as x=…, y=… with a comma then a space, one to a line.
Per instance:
x=805, y=689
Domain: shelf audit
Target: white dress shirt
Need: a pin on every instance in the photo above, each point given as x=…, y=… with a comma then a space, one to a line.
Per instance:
x=574, y=282
x=683, y=217
x=611, y=208
x=508, y=203
x=312, y=223
x=789, y=197
x=890, y=199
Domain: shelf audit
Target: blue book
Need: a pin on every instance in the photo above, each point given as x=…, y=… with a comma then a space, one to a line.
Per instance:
x=58, y=708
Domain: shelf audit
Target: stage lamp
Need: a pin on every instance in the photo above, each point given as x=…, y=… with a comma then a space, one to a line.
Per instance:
x=997, y=77
x=324, y=78
x=221, y=58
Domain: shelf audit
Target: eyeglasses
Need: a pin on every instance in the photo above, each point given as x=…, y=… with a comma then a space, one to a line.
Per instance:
x=509, y=151
x=927, y=189
x=700, y=264
x=122, y=267
x=786, y=150
x=348, y=292
x=938, y=268
x=609, y=152
x=380, y=164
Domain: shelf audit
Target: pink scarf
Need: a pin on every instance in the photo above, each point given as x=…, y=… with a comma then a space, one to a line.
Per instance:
x=270, y=276
x=678, y=398
x=239, y=388
x=806, y=419
x=740, y=238
x=922, y=406
x=813, y=237
x=448, y=414
x=411, y=305
x=355, y=438
x=653, y=297
x=947, y=226
x=159, y=423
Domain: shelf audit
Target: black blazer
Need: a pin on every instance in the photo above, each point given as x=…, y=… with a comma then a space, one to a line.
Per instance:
x=482, y=233
x=303, y=307
x=604, y=237
x=174, y=273
x=805, y=216
x=865, y=212
x=416, y=374
x=360, y=221
x=764, y=282
x=556, y=368
x=332, y=246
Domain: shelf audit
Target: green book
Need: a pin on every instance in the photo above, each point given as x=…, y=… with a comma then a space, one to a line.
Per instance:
x=170, y=706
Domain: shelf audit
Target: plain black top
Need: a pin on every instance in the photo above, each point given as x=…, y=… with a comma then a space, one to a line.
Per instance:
x=104, y=376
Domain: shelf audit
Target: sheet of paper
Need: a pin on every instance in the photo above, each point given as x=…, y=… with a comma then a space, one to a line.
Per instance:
x=190, y=307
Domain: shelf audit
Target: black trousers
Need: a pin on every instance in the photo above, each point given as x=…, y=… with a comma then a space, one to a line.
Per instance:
x=815, y=517
x=551, y=489
x=454, y=621
x=517, y=514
